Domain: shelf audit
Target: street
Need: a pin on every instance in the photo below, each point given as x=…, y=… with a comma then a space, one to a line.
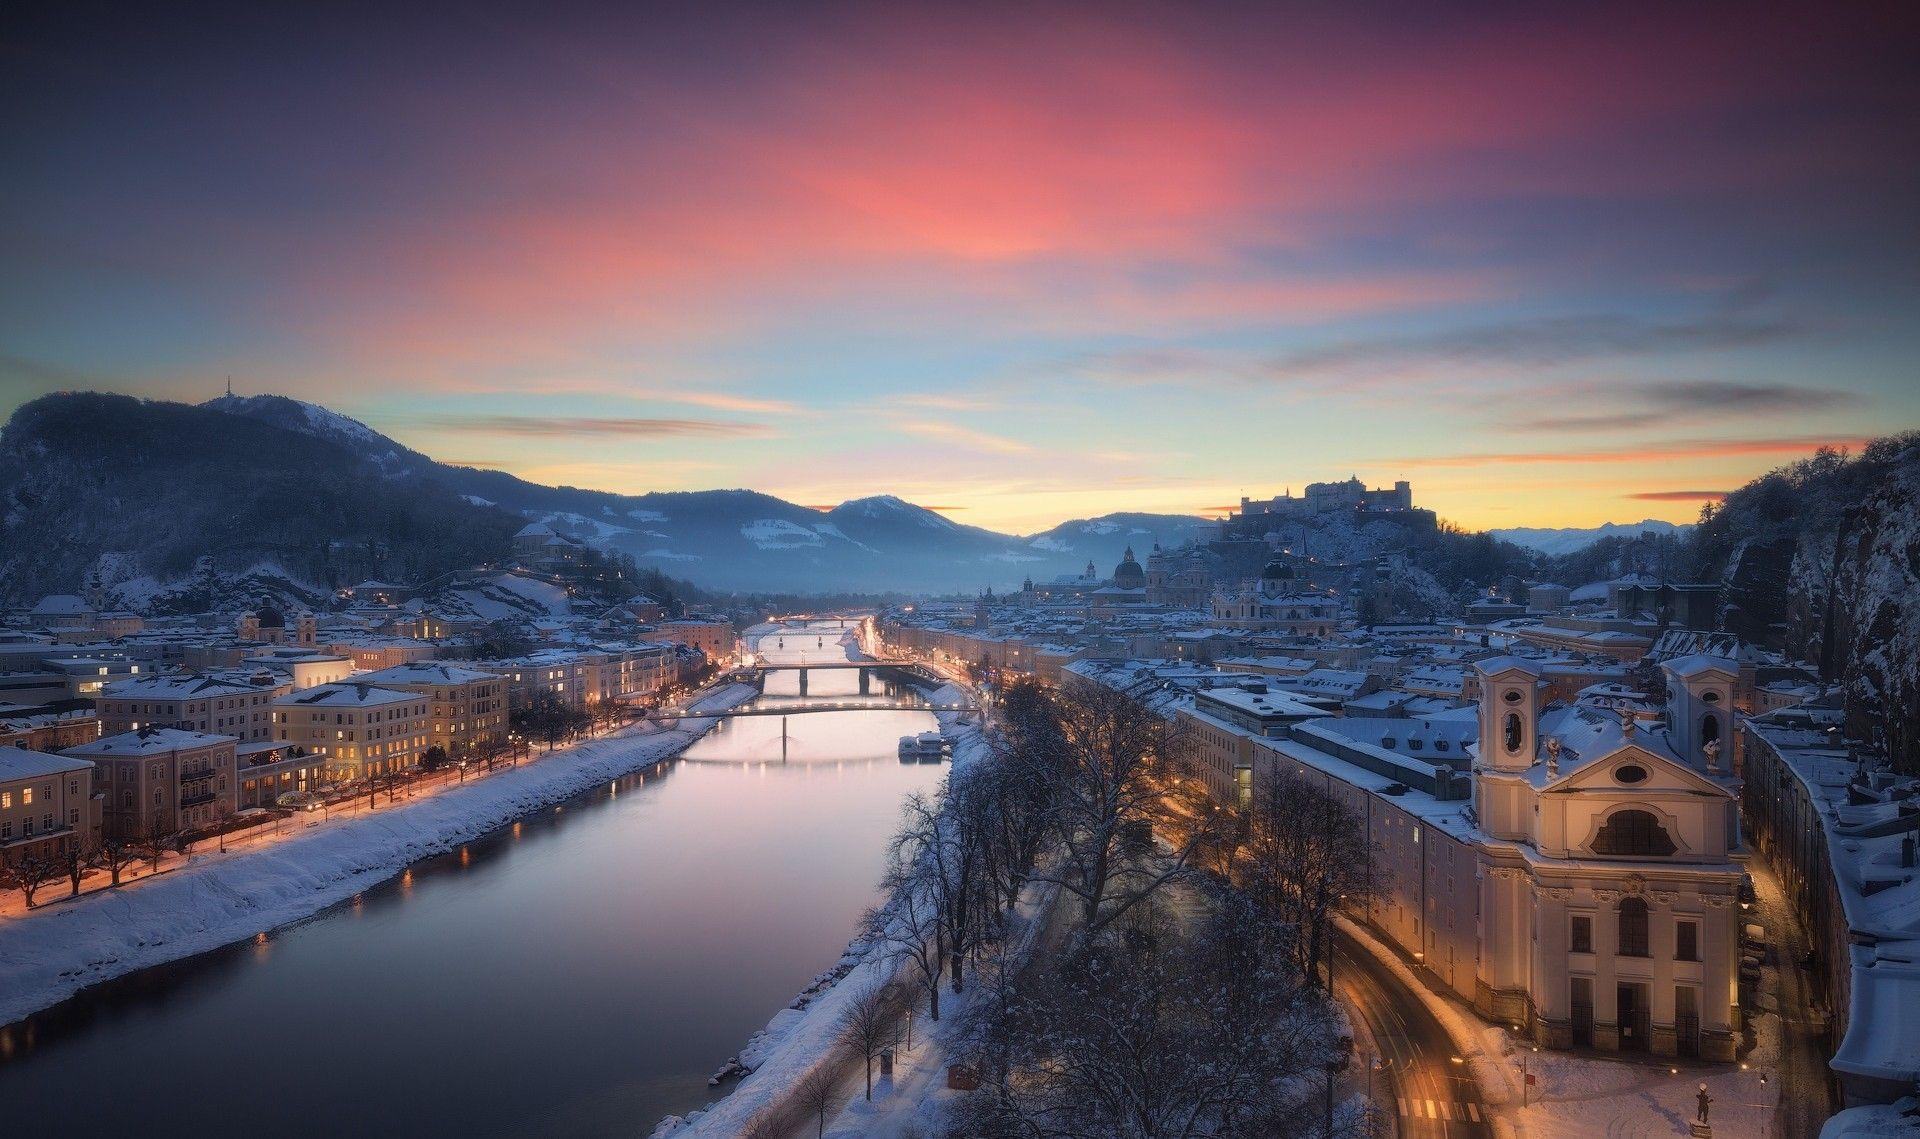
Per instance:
x=1418, y=1082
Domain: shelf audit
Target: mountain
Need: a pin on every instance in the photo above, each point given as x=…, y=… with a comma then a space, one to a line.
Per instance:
x=164, y=495
x=1568, y=540
x=176, y=502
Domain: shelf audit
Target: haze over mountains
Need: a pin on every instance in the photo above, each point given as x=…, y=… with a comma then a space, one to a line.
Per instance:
x=146, y=488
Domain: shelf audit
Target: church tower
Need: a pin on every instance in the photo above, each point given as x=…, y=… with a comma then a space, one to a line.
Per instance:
x=1700, y=710
x=1510, y=702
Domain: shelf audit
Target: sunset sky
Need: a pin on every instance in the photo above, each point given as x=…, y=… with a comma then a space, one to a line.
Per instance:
x=1555, y=265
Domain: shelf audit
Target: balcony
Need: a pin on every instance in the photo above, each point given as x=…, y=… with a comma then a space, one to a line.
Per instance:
x=196, y=799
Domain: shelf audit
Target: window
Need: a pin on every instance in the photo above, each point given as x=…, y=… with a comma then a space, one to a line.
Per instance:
x=1513, y=731
x=1580, y=935
x=1635, y=834
x=1686, y=941
x=1633, y=928
x=1630, y=773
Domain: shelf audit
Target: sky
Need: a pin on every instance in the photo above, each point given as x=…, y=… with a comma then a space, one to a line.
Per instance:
x=1555, y=265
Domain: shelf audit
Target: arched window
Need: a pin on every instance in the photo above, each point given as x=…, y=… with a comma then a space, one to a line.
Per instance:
x=1513, y=731
x=1709, y=729
x=1633, y=928
x=1633, y=833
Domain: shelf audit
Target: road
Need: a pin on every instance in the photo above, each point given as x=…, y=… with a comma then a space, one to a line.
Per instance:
x=1433, y=1097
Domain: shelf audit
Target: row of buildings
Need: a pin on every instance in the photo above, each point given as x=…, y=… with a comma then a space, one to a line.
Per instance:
x=1554, y=797
x=176, y=725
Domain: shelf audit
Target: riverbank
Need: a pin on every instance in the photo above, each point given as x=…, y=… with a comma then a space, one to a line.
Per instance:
x=230, y=898
x=802, y=1036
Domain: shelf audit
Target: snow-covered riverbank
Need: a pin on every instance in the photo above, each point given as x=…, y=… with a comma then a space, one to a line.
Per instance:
x=798, y=1039
x=228, y=898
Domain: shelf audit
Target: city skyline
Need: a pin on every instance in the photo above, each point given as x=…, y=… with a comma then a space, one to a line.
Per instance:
x=1556, y=269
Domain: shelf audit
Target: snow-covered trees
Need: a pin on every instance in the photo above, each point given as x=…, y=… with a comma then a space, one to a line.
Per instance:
x=28, y=870
x=866, y=1025
x=1121, y=777
x=1303, y=853
x=1152, y=1029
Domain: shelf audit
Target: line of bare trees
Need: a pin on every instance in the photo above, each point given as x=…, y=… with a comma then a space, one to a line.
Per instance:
x=32, y=869
x=1184, y=997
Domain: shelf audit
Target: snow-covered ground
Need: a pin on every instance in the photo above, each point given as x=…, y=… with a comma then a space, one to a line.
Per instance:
x=221, y=899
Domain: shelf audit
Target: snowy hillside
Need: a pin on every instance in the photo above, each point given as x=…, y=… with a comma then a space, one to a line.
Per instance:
x=1569, y=539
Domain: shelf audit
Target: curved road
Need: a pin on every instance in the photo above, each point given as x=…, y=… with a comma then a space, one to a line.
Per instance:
x=1433, y=1097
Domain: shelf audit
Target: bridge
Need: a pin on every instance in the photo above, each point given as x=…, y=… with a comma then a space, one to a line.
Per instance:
x=866, y=669
x=803, y=709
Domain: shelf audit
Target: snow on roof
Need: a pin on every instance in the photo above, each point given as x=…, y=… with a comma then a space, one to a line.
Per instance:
x=61, y=605
x=146, y=741
x=1699, y=664
x=424, y=672
x=19, y=763
x=1494, y=666
x=178, y=686
x=346, y=695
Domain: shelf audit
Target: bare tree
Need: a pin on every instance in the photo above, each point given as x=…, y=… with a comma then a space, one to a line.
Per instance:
x=114, y=855
x=1124, y=777
x=1152, y=1030
x=909, y=925
x=817, y=1094
x=28, y=870
x=1304, y=851
x=866, y=1025
x=74, y=863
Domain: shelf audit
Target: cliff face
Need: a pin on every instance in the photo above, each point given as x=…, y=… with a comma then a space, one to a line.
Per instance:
x=1821, y=560
x=1878, y=618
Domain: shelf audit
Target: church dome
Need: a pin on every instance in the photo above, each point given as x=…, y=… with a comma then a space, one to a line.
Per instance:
x=1128, y=574
x=271, y=618
x=1277, y=570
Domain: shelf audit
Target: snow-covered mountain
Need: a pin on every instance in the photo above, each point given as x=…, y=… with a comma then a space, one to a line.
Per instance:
x=1566, y=540
x=302, y=486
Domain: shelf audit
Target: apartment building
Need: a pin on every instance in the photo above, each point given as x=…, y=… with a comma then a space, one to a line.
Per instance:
x=363, y=730
x=46, y=803
x=237, y=703
x=160, y=780
x=467, y=706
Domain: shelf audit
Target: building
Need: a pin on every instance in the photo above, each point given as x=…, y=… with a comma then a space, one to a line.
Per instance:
x=467, y=707
x=232, y=703
x=269, y=625
x=268, y=769
x=710, y=635
x=304, y=667
x=1840, y=830
x=160, y=781
x=361, y=729
x=1273, y=604
x=47, y=804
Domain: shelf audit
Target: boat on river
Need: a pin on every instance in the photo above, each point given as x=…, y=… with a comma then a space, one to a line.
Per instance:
x=927, y=747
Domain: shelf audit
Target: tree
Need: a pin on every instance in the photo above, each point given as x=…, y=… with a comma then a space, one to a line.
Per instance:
x=74, y=863
x=550, y=718
x=866, y=1025
x=1123, y=774
x=433, y=759
x=30, y=869
x=817, y=1094
x=909, y=925
x=114, y=855
x=1304, y=852
x=1153, y=1030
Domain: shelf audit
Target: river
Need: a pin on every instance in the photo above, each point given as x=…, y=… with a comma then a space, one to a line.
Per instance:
x=577, y=973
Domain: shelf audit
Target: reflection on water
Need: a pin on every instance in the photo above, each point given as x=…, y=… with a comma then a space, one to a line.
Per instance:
x=577, y=973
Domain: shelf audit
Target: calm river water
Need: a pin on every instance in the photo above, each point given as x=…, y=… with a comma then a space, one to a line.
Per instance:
x=579, y=973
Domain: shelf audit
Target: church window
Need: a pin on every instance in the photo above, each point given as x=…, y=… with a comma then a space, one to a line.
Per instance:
x=1580, y=934
x=1635, y=834
x=1513, y=731
x=1709, y=729
x=1630, y=773
x=1633, y=928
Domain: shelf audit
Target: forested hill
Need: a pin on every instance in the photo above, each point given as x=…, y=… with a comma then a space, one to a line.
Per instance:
x=93, y=482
